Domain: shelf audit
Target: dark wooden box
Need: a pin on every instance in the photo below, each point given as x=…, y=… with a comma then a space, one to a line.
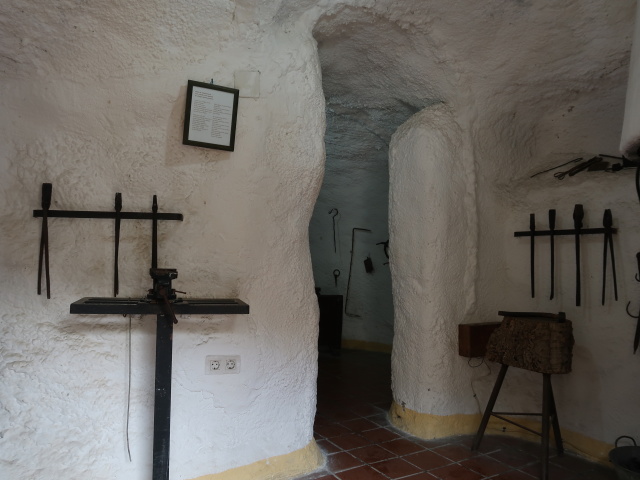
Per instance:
x=473, y=338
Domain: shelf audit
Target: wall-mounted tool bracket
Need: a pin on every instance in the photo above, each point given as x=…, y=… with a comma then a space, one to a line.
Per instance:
x=118, y=215
x=607, y=230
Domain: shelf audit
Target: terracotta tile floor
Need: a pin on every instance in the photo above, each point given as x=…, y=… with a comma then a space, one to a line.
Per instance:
x=353, y=431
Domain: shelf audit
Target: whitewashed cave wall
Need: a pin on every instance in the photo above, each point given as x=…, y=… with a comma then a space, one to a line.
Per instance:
x=543, y=88
x=93, y=99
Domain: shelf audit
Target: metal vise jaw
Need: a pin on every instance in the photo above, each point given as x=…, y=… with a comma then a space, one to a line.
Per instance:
x=162, y=290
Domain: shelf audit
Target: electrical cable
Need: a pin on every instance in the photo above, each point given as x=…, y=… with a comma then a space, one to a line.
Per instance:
x=129, y=392
x=475, y=395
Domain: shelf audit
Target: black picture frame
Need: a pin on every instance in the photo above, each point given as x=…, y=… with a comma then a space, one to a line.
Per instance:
x=210, y=116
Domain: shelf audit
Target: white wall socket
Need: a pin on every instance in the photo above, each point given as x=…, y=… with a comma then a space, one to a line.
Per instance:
x=221, y=364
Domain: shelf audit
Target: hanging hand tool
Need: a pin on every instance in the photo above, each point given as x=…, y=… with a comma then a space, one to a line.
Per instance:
x=47, y=189
x=368, y=265
x=154, y=233
x=346, y=300
x=578, y=216
x=578, y=168
x=607, y=222
x=334, y=227
x=385, y=245
x=336, y=274
x=638, y=261
x=532, y=229
x=118, y=208
x=552, y=228
x=636, y=338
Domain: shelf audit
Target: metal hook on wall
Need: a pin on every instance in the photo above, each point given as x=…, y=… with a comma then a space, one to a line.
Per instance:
x=334, y=227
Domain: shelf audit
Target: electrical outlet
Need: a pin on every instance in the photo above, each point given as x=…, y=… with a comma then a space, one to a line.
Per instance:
x=221, y=364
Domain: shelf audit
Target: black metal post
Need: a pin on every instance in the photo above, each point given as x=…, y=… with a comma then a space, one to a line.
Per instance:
x=162, y=402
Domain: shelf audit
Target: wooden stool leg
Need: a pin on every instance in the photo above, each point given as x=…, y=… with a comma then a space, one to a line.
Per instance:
x=489, y=409
x=555, y=423
x=546, y=410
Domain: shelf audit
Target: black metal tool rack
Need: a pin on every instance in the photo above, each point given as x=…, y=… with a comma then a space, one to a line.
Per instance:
x=165, y=310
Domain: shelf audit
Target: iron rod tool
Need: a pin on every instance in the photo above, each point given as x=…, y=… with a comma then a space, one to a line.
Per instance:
x=118, y=209
x=578, y=216
x=552, y=228
x=532, y=228
x=607, y=222
x=47, y=189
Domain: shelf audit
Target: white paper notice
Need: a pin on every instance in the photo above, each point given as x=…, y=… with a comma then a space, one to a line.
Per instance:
x=211, y=116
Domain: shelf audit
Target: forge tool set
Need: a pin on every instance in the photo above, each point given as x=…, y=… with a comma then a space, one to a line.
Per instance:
x=161, y=300
x=578, y=230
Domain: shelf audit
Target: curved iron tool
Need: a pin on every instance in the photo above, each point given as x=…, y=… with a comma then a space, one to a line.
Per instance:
x=532, y=229
x=636, y=338
x=578, y=216
x=43, y=257
x=607, y=222
x=334, y=227
x=346, y=300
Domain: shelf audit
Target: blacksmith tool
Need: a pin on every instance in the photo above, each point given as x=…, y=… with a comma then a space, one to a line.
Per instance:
x=638, y=261
x=532, y=229
x=552, y=228
x=578, y=216
x=47, y=188
x=154, y=233
x=578, y=168
x=636, y=338
x=385, y=245
x=607, y=222
x=368, y=265
x=118, y=208
x=334, y=227
x=336, y=274
x=346, y=300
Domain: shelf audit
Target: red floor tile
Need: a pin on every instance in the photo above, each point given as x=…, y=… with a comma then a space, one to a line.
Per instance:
x=513, y=475
x=338, y=462
x=372, y=453
x=380, y=435
x=485, y=465
x=359, y=425
x=395, y=468
x=455, y=472
x=351, y=441
x=402, y=446
x=331, y=430
x=327, y=447
x=361, y=473
x=455, y=452
x=427, y=460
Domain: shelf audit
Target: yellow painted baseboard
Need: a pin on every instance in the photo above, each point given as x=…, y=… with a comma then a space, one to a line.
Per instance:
x=425, y=425
x=366, y=346
x=290, y=465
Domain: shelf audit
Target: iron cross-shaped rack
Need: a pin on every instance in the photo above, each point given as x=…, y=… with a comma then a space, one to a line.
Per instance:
x=161, y=301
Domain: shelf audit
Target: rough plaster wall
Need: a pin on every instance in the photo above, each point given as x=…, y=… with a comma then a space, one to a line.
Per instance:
x=431, y=267
x=536, y=84
x=93, y=99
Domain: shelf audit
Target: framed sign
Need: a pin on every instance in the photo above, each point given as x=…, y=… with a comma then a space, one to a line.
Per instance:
x=210, y=116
